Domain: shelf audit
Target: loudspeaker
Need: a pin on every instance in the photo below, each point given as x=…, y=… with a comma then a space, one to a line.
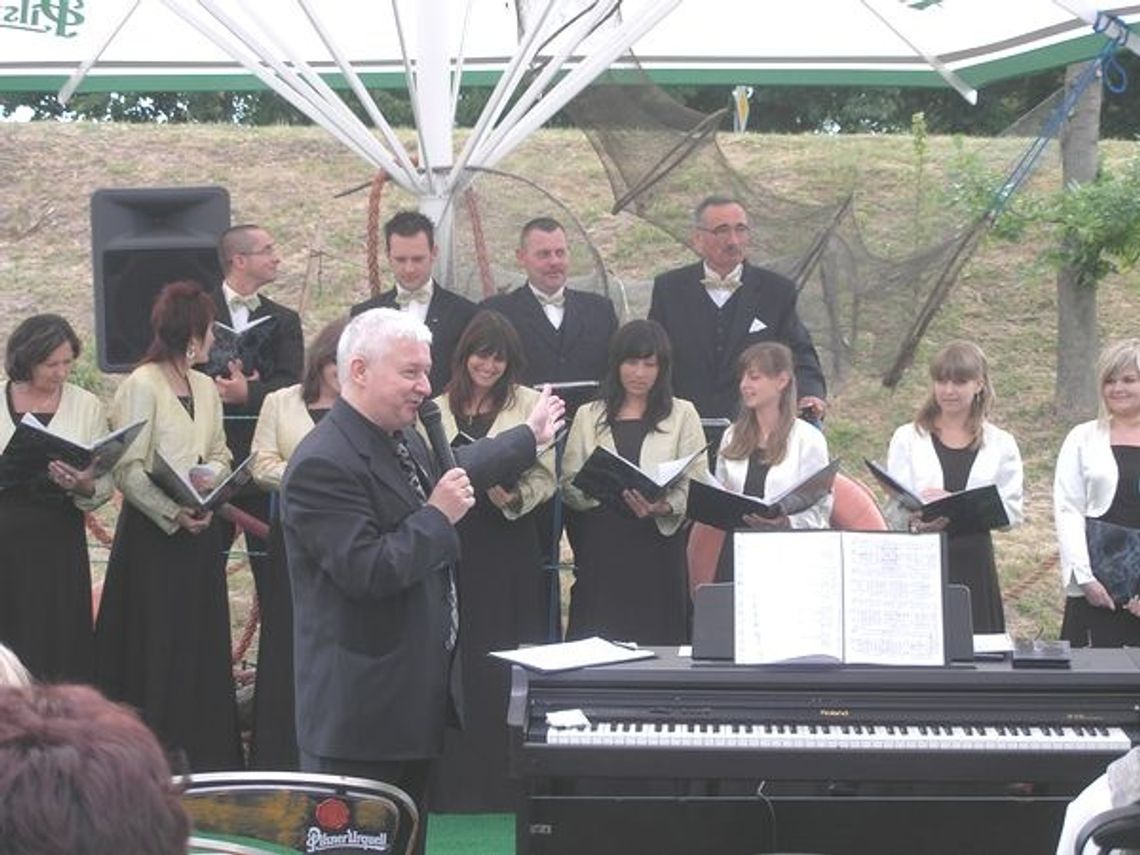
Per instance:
x=142, y=239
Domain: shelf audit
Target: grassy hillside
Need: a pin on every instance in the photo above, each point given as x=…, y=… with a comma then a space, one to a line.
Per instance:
x=286, y=178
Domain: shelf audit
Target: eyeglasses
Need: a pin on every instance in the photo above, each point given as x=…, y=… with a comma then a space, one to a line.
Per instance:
x=265, y=250
x=741, y=230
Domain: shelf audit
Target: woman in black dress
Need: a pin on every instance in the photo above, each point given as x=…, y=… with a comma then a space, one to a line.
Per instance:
x=163, y=633
x=286, y=417
x=45, y=578
x=502, y=598
x=1098, y=477
x=950, y=446
x=630, y=575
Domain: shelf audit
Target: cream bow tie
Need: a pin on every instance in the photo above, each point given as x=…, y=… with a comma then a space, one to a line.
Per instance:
x=715, y=283
x=420, y=295
x=251, y=303
x=558, y=299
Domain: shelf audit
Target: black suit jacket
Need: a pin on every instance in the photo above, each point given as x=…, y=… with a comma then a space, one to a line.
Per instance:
x=369, y=568
x=707, y=344
x=278, y=361
x=447, y=317
x=577, y=351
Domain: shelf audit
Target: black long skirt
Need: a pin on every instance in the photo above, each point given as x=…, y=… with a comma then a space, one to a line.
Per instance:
x=502, y=604
x=629, y=581
x=970, y=562
x=45, y=586
x=1086, y=625
x=163, y=638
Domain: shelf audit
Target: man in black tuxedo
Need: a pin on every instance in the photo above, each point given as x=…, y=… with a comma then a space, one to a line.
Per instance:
x=270, y=358
x=714, y=309
x=409, y=238
x=369, y=524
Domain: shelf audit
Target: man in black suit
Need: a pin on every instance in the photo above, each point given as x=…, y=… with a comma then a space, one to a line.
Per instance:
x=270, y=358
x=716, y=308
x=565, y=333
x=369, y=524
x=409, y=238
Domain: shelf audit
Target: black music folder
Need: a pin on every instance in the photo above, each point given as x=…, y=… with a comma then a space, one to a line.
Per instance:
x=968, y=511
x=1114, y=555
x=721, y=508
x=230, y=344
x=179, y=487
x=606, y=475
x=32, y=447
x=574, y=392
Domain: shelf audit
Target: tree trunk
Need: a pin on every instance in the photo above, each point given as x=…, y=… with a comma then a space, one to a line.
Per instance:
x=1078, y=342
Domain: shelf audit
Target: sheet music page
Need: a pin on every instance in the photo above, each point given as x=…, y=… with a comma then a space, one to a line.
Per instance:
x=893, y=598
x=788, y=601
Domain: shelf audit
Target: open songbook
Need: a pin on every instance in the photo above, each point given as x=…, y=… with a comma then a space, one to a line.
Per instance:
x=606, y=475
x=839, y=596
x=180, y=488
x=716, y=505
x=968, y=511
x=229, y=344
x=32, y=446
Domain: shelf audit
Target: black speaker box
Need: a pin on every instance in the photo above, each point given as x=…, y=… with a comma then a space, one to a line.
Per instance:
x=141, y=239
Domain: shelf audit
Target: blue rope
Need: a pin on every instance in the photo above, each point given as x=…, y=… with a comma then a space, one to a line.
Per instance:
x=1115, y=80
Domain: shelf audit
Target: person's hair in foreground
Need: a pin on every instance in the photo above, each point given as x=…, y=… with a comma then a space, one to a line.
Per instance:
x=81, y=775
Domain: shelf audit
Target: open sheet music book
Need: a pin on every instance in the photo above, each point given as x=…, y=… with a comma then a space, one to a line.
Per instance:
x=229, y=344
x=32, y=446
x=968, y=511
x=716, y=505
x=605, y=475
x=179, y=487
x=873, y=598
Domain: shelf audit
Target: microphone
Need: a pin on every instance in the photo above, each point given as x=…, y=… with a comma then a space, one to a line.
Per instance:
x=432, y=421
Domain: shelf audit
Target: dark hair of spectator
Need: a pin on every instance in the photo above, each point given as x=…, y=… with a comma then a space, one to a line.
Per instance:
x=181, y=312
x=83, y=776
x=320, y=353
x=639, y=340
x=34, y=340
x=409, y=224
x=488, y=334
x=546, y=225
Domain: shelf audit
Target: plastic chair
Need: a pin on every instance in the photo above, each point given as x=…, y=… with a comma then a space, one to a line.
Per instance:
x=248, y=813
x=854, y=507
x=1112, y=830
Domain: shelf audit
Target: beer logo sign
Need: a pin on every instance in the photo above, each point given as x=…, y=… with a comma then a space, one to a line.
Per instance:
x=332, y=831
x=60, y=18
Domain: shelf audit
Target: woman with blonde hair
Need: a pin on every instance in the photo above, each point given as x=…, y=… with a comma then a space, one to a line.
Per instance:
x=952, y=446
x=768, y=449
x=1098, y=477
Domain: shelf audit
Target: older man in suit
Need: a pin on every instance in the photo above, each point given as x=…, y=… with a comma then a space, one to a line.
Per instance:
x=716, y=308
x=409, y=238
x=369, y=523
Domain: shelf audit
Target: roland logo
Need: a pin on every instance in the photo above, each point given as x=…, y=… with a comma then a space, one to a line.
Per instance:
x=826, y=713
x=59, y=18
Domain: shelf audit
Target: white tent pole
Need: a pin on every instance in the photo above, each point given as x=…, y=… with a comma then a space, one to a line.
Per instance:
x=1090, y=14
x=960, y=86
x=358, y=89
x=322, y=92
x=505, y=85
x=434, y=122
x=569, y=41
x=457, y=76
x=68, y=88
x=579, y=79
x=412, y=79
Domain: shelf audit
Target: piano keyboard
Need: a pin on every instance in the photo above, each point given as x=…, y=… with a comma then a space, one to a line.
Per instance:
x=866, y=737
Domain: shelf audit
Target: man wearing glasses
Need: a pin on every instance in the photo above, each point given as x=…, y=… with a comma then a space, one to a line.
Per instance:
x=716, y=308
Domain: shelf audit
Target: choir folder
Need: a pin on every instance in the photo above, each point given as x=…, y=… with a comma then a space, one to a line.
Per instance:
x=1114, y=556
x=967, y=511
x=721, y=508
x=32, y=447
x=231, y=344
x=606, y=475
x=875, y=598
x=179, y=487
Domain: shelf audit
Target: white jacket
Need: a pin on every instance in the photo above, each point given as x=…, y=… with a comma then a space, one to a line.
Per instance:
x=1084, y=485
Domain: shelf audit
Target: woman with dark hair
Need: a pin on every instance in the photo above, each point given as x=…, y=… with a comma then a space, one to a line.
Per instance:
x=287, y=415
x=163, y=633
x=1098, y=478
x=502, y=593
x=45, y=578
x=768, y=449
x=630, y=579
x=81, y=774
x=951, y=446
